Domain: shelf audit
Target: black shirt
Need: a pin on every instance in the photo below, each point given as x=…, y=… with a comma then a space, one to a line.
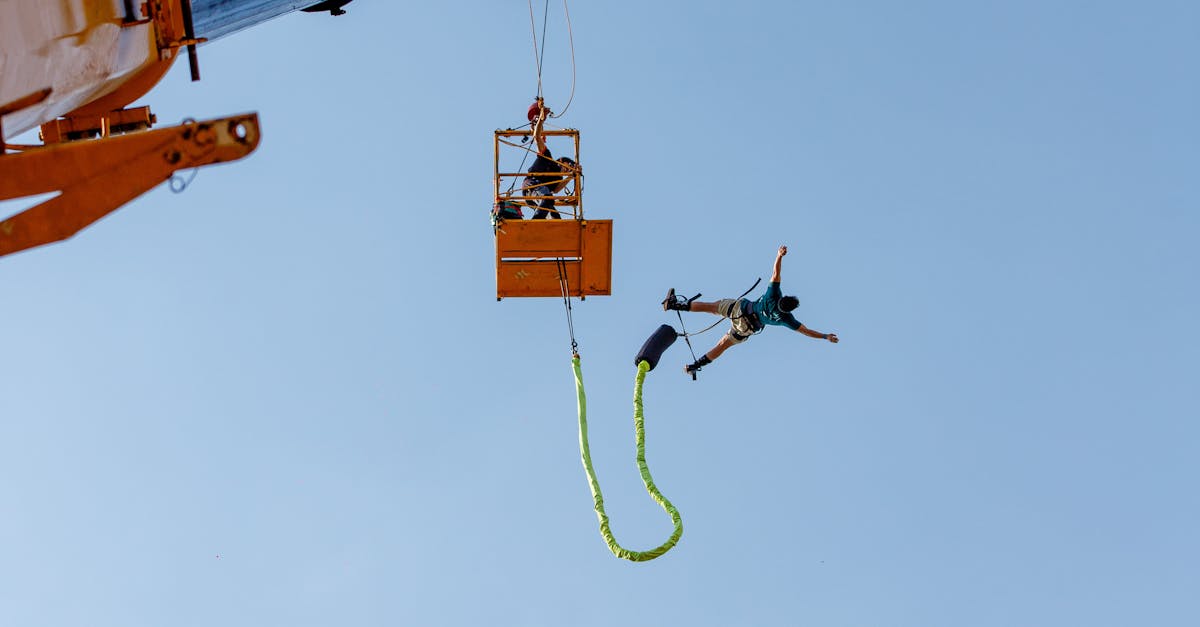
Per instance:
x=544, y=163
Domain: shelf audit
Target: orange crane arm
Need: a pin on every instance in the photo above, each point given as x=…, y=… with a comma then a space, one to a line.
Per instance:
x=96, y=177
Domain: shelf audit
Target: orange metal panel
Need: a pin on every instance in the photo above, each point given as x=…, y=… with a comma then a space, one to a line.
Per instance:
x=596, y=270
x=537, y=278
x=527, y=254
x=539, y=238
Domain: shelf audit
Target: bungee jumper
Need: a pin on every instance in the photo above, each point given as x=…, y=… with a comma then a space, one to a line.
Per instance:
x=747, y=317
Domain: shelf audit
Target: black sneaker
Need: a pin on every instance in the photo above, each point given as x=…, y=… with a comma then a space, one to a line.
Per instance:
x=677, y=303
x=670, y=302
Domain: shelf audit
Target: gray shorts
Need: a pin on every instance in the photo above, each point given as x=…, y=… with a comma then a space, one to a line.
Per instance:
x=732, y=308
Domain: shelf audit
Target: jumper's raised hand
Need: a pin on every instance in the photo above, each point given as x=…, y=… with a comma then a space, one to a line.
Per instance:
x=776, y=270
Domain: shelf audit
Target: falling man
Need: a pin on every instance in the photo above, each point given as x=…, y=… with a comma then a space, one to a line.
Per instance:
x=747, y=317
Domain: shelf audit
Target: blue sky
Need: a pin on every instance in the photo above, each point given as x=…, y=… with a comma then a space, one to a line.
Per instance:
x=299, y=363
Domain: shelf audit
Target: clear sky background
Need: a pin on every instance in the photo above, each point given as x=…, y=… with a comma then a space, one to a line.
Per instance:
x=288, y=396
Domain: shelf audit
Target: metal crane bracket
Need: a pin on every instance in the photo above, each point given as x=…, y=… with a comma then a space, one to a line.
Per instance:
x=96, y=177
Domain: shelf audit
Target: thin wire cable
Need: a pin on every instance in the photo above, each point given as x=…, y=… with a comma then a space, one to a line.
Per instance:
x=542, y=53
x=562, y=282
x=685, y=334
x=705, y=330
x=536, y=58
x=571, y=39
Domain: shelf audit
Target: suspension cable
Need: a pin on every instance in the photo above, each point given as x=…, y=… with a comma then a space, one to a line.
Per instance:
x=539, y=49
x=566, y=295
x=571, y=39
x=537, y=58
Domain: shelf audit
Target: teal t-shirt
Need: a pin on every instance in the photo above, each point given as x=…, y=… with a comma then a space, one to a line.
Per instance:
x=767, y=309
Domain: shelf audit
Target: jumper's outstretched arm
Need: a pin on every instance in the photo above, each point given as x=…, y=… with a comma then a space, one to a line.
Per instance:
x=817, y=335
x=775, y=271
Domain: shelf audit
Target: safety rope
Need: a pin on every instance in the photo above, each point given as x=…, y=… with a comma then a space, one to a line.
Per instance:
x=639, y=428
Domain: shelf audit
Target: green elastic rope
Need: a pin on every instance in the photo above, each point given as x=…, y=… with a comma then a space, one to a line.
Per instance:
x=598, y=498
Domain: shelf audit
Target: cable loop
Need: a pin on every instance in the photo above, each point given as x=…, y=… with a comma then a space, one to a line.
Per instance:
x=178, y=183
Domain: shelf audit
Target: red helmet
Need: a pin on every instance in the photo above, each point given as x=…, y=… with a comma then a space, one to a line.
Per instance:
x=535, y=109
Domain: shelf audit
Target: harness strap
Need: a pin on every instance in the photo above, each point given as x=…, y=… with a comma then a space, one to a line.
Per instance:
x=756, y=282
x=686, y=335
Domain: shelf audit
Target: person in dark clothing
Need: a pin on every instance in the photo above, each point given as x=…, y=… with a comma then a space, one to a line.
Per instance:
x=544, y=182
x=748, y=317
